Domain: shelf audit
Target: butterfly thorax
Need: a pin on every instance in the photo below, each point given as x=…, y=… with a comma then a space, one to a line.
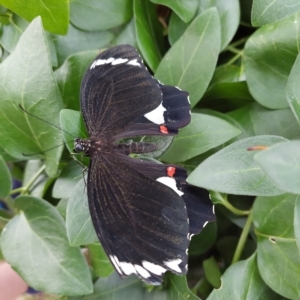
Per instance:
x=92, y=145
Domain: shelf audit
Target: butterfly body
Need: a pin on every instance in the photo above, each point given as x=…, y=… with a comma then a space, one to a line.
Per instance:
x=144, y=213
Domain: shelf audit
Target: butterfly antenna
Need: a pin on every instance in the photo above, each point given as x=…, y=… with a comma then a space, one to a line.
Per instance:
x=23, y=109
x=42, y=152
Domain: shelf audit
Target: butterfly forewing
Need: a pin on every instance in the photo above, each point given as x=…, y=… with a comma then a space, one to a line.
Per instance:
x=116, y=89
x=138, y=220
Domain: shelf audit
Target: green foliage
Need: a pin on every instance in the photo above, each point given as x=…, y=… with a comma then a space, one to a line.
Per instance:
x=242, y=143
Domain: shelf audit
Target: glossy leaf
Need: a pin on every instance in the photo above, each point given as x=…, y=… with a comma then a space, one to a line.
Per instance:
x=11, y=33
x=269, y=11
x=184, y=9
x=251, y=120
x=127, y=35
x=212, y=272
x=198, y=49
x=69, y=77
x=202, y=134
x=293, y=89
x=42, y=182
x=242, y=281
x=233, y=170
x=78, y=41
x=37, y=93
x=281, y=163
x=277, y=253
x=35, y=244
x=79, y=225
x=202, y=242
x=266, y=80
x=55, y=14
x=132, y=288
x=5, y=179
x=69, y=177
x=297, y=223
x=149, y=34
x=229, y=13
x=94, y=15
x=99, y=260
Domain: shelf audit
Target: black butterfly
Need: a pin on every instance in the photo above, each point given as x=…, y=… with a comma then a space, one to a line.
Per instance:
x=144, y=213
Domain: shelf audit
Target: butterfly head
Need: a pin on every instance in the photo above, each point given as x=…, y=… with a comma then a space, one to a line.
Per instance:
x=82, y=146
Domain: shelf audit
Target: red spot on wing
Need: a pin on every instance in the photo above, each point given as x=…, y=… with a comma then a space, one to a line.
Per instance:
x=163, y=129
x=171, y=171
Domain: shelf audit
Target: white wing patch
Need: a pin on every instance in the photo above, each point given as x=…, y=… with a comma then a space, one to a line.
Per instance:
x=153, y=268
x=134, y=63
x=127, y=268
x=173, y=264
x=171, y=183
x=113, y=61
x=142, y=272
x=156, y=116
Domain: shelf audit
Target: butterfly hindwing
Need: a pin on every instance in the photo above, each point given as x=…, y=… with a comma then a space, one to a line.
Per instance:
x=200, y=209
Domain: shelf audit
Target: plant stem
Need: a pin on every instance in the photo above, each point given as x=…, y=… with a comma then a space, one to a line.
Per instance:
x=234, y=210
x=242, y=240
x=24, y=189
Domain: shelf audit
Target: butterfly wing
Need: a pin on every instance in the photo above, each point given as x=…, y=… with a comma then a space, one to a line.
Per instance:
x=141, y=223
x=116, y=89
x=200, y=209
x=120, y=98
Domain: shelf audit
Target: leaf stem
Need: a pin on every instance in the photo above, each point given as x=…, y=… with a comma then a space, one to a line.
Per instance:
x=242, y=240
x=236, y=57
x=24, y=189
x=234, y=210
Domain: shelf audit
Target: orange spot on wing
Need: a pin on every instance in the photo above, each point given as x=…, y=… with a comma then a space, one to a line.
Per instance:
x=163, y=129
x=171, y=171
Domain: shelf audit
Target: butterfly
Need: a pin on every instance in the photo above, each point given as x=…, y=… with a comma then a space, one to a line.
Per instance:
x=144, y=213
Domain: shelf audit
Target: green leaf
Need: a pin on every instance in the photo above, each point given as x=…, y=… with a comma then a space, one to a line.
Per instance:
x=202, y=242
x=293, y=89
x=297, y=223
x=55, y=14
x=202, y=134
x=226, y=96
x=127, y=36
x=149, y=34
x=78, y=41
x=69, y=77
x=229, y=13
x=269, y=11
x=226, y=73
x=197, y=49
x=67, y=180
x=212, y=272
x=267, y=81
x=79, y=225
x=184, y=9
x=94, y=15
x=5, y=179
x=37, y=93
x=99, y=260
x=282, y=164
x=242, y=281
x=11, y=33
x=277, y=254
x=41, y=183
x=113, y=287
x=233, y=170
x=251, y=120
x=35, y=244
